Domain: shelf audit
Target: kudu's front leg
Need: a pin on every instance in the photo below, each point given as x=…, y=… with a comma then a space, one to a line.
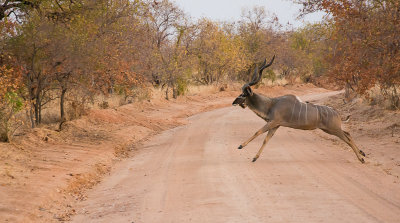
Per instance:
x=271, y=132
x=259, y=132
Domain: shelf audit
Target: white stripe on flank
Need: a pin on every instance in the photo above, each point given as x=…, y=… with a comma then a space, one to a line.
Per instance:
x=306, y=112
x=326, y=112
x=329, y=110
x=333, y=111
x=294, y=105
x=317, y=113
x=301, y=106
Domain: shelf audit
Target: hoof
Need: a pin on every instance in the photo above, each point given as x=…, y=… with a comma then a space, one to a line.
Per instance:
x=254, y=159
x=240, y=147
x=362, y=160
x=362, y=153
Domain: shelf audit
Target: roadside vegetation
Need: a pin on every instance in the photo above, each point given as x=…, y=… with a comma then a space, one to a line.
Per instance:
x=65, y=54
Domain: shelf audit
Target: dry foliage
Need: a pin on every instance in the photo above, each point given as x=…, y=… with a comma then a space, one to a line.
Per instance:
x=81, y=183
x=364, y=44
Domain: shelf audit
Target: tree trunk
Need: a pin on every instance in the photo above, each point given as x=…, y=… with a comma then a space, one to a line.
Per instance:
x=30, y=99
x=36, y=106
x=30, y=116
x=174, y=92
x=31, y=113
x=40, y=110
x=349, y=92
x=62, y=113
x=166, y=92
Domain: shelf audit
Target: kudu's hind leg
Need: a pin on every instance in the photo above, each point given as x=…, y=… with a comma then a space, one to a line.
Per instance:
x=352, y=142
x=259, y=132
x=345, y=136
x=271, y=132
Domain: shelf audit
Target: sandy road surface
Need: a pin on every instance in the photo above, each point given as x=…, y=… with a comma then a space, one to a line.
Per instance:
x=194, y=173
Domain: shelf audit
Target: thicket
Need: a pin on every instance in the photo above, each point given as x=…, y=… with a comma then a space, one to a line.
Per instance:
x=70, y=51
x=362, y=44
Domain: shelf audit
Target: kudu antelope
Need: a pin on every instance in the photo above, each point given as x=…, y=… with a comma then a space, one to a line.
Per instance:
x=289, y=111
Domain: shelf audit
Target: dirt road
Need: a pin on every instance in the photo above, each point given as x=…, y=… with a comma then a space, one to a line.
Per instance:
x=194, y=173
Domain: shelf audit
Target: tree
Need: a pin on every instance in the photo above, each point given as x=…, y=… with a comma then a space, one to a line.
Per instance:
x=94, y=43
x=304, y=52
x=166, y=24
x=367, y=45
x=16, y=7
x=218, y=53
x=72, y=46
x=257, y=32
x=10, y=82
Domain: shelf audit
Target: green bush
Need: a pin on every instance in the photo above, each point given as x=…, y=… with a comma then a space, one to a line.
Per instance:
x=181, y=86
x=270, y=75
x=11, y=104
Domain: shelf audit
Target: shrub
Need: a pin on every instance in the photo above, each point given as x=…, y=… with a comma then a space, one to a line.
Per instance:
x=10, y=105
x=270, y=75
x=182, y=86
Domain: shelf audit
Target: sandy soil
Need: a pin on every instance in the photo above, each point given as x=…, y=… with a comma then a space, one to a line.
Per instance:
x=194, y=173
x=45, y=173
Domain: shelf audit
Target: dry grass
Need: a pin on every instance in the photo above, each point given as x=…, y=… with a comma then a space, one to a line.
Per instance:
x=82, y=182
x=79, y=184
x=277, y=82
x=375, y=97
x=122, y=150
x=202, y=89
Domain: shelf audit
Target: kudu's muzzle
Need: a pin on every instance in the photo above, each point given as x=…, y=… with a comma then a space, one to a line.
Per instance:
x=240, y=101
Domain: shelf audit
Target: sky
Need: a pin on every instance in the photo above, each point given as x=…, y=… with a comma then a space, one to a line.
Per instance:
x=230, y=10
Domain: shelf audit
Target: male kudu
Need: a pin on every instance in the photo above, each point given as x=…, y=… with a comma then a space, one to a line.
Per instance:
x=289, y=111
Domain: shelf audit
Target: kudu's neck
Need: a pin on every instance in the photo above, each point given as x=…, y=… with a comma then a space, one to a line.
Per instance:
x=259, y=104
